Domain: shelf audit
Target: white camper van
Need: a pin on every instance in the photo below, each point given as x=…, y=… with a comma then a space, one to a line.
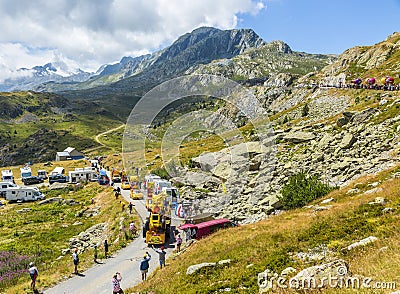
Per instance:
x=4, y=186
x=82, y=174
x=26, y=172
x=21, y=194
x=58, y=171
x=7, y=175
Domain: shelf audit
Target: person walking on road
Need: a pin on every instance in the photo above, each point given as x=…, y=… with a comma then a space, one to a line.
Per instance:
x=161, y=255
x=33, y=272
x=144, y=265
x=130, y=207
x=116, y=284
x=75, y=259
x=105, y=248
x=132, y=228
x=95, y=253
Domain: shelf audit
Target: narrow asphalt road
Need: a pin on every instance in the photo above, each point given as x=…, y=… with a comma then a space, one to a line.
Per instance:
x=97, y=280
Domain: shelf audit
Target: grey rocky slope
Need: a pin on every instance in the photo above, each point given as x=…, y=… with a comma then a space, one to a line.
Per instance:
x=337, y=140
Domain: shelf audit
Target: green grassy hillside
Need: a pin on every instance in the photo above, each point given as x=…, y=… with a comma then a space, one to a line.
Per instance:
x=34, y=126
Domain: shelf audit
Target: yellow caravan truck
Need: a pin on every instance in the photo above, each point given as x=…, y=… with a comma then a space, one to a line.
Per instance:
x=157, y=227
x=136, y=194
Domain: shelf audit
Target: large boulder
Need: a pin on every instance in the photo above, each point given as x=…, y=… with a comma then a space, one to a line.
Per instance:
x=197, y=267
x=323, y=273
x=299, y=137
x=347, y=141
x=363, y=116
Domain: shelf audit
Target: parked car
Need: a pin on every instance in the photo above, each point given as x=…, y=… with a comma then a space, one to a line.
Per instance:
x=32, y=180
x=58, y=178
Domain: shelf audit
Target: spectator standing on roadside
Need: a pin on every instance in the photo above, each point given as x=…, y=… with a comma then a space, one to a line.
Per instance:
x=130, y=207
x=95, y=253
x=144, y=265
x=75, y=259
x=105, y=248
x=161, y=255
x=178, y=243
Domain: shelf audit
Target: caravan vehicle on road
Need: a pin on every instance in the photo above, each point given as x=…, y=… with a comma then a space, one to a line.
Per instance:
x=21, y=194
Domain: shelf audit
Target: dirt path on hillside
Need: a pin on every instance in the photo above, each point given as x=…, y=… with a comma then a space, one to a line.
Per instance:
x=102, y=145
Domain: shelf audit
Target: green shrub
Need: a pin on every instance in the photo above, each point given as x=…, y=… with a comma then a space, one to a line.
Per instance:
x=161, y=172
x=305, y=110
x=302, y=189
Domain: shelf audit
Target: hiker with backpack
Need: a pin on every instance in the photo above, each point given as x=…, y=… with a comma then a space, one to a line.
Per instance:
x=33, y=272
x=144, y=265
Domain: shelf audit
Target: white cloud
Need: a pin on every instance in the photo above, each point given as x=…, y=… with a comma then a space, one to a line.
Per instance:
x=92, y=32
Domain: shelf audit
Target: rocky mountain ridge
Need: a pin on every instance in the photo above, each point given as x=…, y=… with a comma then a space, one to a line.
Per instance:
x=200, y=46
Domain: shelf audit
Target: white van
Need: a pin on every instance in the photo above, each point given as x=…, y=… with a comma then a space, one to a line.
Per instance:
x=160, y=184
x=42, y=174
x=23, y=194
x=4, y=186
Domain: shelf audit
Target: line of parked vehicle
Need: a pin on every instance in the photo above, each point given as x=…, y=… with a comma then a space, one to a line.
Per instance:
x=12, y=192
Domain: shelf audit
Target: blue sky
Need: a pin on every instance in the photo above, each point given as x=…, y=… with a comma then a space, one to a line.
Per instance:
x=320, y=26
x=86, y=34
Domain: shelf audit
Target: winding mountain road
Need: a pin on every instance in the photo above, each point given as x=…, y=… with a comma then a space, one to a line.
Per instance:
x=97, y=280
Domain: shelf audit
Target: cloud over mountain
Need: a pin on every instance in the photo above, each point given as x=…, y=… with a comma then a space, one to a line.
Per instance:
x=92, y=32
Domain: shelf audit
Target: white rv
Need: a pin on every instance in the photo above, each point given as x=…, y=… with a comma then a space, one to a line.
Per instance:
x=42, y=174
x=4, y=186
x=82, y=174
x=151, y=178
x=7, y=175
x=21, y=194
x=26, y=172
x=58, y=170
